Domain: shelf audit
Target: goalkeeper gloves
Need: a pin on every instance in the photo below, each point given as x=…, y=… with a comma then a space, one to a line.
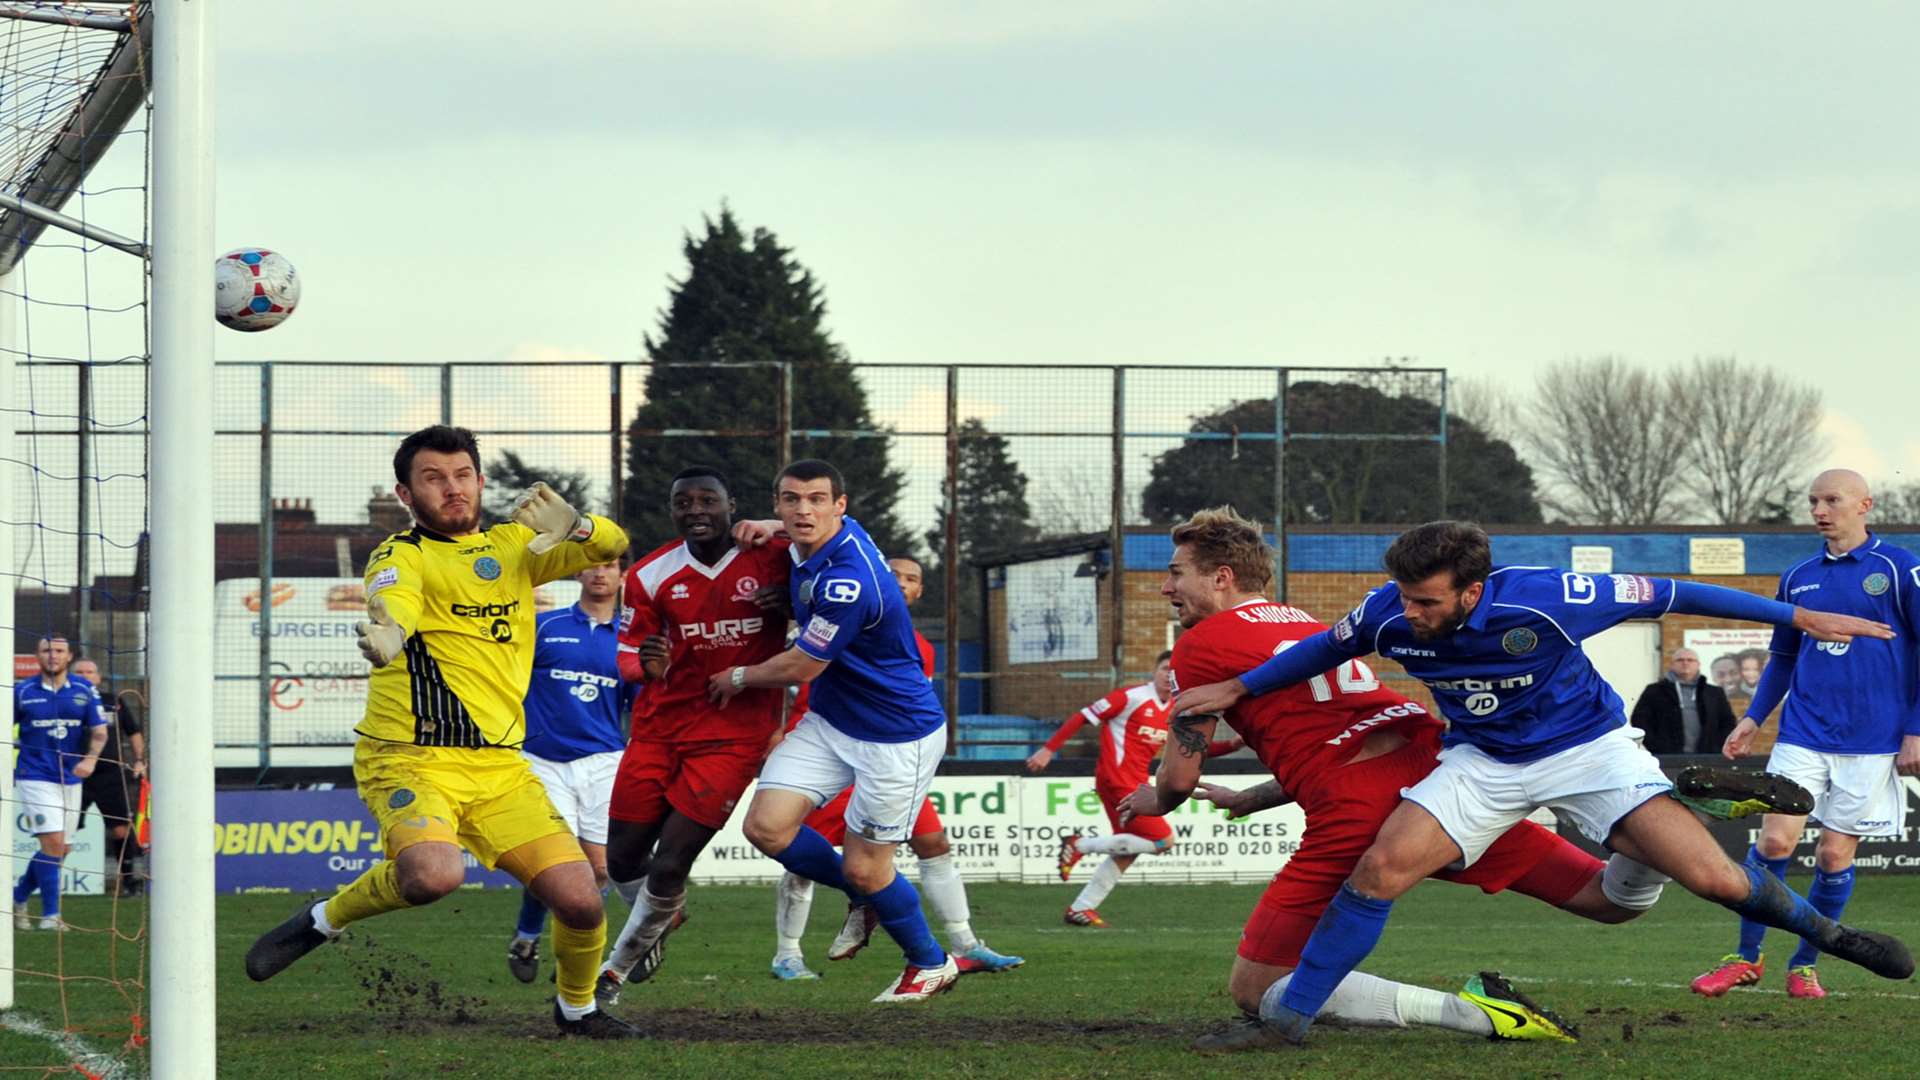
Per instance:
x=548, y=515
x=380, y=638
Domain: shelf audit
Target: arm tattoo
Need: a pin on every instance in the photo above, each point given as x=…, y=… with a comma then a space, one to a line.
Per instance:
x=1187, y=734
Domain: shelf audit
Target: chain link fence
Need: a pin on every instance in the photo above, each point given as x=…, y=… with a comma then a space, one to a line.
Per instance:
x=1036, y=498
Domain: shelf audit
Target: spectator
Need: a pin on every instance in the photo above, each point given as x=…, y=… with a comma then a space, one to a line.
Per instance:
x=1683, y=713
x=115, y=784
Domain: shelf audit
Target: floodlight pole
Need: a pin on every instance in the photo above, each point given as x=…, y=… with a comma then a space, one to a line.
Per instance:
x=8, y=321
x=180, y=604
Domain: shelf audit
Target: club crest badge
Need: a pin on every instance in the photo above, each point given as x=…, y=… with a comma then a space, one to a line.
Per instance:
x=486, y=568
x=1875, y=584
x=1520, y=641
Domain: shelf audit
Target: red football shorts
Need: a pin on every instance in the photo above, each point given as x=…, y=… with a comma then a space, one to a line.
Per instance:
x=703, y=781
x=830, y=820
x=1341, y=826
x=1155, y=829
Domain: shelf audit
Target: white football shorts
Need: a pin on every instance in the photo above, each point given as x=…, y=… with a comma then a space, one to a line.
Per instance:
x=889, y=780
x=1476, y=797
x=1855, y=794
x=47, y=806
x=581, y=790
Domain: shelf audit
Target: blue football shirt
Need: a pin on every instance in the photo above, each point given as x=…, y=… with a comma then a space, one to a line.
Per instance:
x=55, y=728
x=1512, y=679
x=851, y=613
x=1861, y=696
x=575, y=700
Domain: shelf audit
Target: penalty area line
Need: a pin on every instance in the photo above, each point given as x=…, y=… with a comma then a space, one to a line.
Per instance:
x=90, y=1061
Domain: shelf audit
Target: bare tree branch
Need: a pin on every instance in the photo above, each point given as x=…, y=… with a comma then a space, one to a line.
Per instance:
x=1897, y=505
x=1487, y=404
x=1753, y=432
x=1606, y=436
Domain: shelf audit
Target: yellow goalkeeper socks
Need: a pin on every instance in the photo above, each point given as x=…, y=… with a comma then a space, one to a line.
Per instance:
x=374, y=892
x=577, y=954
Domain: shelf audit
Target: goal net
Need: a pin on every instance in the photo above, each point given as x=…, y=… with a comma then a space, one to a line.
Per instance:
x=74, y=358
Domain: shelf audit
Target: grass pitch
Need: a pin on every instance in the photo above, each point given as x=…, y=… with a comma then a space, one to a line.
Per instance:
x=427, y=993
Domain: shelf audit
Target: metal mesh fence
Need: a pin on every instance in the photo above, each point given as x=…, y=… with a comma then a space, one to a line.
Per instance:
x=1037, y=500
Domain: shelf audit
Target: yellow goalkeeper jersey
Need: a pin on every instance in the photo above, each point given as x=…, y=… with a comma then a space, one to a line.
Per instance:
x=466, y=606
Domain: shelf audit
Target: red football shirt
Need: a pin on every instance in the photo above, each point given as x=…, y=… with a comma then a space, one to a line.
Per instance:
x=708, y=614
x=1133, y=729
x=1303, y=731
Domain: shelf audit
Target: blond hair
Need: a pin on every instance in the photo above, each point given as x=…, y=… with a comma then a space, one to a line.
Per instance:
x=1219, y=536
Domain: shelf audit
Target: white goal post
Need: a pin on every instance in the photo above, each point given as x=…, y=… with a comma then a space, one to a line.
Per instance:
x=36, y=177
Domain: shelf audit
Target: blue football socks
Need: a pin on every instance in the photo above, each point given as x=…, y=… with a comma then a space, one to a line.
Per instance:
x=1828, y=896
x=899, y=908
x=1345, y=934
x=813, y=858
x=1752, y=933
x=533, y=916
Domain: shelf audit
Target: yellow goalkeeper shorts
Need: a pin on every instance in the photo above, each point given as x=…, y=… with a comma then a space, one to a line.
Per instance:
x=486, y=800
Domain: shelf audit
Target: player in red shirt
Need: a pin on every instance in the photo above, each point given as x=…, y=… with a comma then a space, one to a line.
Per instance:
x=690, y=608
x=1133, y=730
x=939, y=878
x=1343, y=747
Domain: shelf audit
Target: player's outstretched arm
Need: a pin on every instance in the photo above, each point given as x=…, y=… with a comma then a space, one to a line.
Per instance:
x=1699, y=598
x=1043, y=757
x=756, y=532
x=565, y=541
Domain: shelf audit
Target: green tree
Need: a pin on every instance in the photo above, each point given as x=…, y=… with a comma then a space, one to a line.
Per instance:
x=1342, y=481
x=991, y=512
x=748, y=301
x=509, y=476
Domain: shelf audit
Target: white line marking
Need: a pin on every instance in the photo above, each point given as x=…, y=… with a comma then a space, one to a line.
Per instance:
x=106, y=1066
x=1683, y=986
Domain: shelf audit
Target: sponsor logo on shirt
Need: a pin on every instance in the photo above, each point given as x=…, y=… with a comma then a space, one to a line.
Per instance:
x=560, y=641
x=840, y=591
x=1577, y=588
x=389, y=576
x=1834, y=648
x=1513, y=682
x=1348, y=625
x=819, y=632
x=1408, y=650
x=626, y=617
x=1481, y=704
x=1876, y=584
x=1391, y=712
x=1798, y=589
x=722, y=632
x=1632, y=589
x=485, y=611
x=1519, y=641
x=1154, y=735
x=486, y=568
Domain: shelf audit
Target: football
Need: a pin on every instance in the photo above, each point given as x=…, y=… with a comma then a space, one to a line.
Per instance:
x=254, y=289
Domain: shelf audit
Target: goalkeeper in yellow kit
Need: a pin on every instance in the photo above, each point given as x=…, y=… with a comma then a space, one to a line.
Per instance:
x=450, y=640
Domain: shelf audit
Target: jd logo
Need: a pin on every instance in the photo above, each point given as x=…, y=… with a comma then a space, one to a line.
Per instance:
x=501, y=630
x=1481, y=704
x=1834, y=648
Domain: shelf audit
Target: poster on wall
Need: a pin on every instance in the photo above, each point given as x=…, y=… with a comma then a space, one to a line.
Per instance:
x=1731, y=658
x=1052, y=611
x=318, y=688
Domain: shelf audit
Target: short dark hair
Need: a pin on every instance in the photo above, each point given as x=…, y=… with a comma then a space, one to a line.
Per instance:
x=441, y=439
x=1460, y=547
x=813, y=469
x=1163, y=658
x=702, y=472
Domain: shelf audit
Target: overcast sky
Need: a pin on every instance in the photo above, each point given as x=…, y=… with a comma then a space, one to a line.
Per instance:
x=1484, y=187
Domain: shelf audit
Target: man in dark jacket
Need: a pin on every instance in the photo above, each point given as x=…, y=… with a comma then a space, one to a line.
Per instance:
x=1683, y=713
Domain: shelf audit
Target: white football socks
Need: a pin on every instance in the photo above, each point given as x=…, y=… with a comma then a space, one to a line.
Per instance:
x=1369, y=1001
x=645, y=923
x=1631, y=885
x=940, y=883
x=629, y=890
x=1117, y=844
x=1105, y=877
x=792, y=904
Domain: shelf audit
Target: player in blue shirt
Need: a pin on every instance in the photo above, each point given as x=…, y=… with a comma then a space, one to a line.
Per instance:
x=873, y=721
x=57, y=715
x=1531, y=724
x=575, y=703
x=1851, y=724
